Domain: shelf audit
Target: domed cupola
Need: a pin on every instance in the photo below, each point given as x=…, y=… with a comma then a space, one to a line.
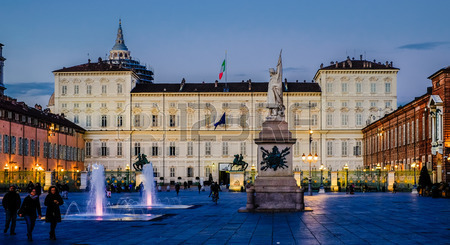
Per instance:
x=120, y=50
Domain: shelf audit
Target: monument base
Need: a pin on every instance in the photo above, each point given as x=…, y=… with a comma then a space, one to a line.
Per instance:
x=274, y=194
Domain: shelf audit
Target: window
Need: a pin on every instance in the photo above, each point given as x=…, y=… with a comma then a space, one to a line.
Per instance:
x=20, y=146
x=207, y=171
x=190, y=172
x=172, y=105
x=5, y=143
x=358, y=103
x=243, y=148
x=64, y=105
x=208, y=148
x=314, y=145
x=373, y=104
x=119, y=148
x=344, y=148
x=137, y=148
x=119, y=121
x=423, y=127
x=172, y=171
x=154, y=149
x=25, y=147
x=172, y=151
x=297, y=148
x=225, y=148
x=104, y=89
x=88, y=120
x=359, y=119
x=103, y=105
x=387, y=104
x=190, y=117
x=104, y=120
x=373, y=88
x=76, y=89
x=330, y=104
x=13, y=145
x=32, y=147
x=88, y=105
x=137, y=120
x=119, y=88
x=76, y=119
x=190, y=148
x=329, y=87
x=89, y=89
x=76, y=105
x=314, y=119
x=358, y=87
x=403, y=134
x=330, y=148
x=344, y=103
x=357, y=148
x=64, y=90
x=329, y=119
x=119, y=105
x=171, y=120
x=344, y=87
x=104, y=150
x=387, y=88
x=344, y=119
x=297, y=119
x=154, y=120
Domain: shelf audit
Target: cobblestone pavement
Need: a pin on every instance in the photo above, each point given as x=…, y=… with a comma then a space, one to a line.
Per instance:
x=337, y=218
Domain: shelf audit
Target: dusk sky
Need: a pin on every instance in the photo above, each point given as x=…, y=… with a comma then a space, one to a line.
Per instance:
x=188, y=39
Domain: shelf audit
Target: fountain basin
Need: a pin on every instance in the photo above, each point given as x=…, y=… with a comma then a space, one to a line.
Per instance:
x=111, y=217
x=153, y=206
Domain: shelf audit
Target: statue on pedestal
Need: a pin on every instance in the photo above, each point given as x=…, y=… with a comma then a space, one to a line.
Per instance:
x=275, y=93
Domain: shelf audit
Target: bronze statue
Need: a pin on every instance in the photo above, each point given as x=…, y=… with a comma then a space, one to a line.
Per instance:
x=238, y=161
x=274, y=159
x=142, y=160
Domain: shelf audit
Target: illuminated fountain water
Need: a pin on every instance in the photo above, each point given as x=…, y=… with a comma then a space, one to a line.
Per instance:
x=97, y=198
x=148, y=179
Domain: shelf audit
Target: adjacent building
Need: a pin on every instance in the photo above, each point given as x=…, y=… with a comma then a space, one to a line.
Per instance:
x=418, y=132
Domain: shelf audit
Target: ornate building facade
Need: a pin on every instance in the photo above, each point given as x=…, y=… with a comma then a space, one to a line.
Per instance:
x=172, y=123
x=415, y=133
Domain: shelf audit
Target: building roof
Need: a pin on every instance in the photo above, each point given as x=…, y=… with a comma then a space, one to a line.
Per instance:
x=222, y=87
x=99, y=66
x=443, y=70
x=10, y=104
x=358, y=65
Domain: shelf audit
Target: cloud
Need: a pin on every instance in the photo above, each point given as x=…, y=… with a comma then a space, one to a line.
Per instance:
x=423, y=46
x=30, y=93
x=288, y=69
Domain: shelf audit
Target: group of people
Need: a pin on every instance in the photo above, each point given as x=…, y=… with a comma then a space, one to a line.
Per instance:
x=30, y=209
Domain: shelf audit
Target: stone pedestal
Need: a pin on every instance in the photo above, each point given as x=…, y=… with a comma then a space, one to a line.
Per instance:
x=275, y=190
x=48, y=180
x=236, y=180
x=391, y=179
x=83, y=180
x=334, y=181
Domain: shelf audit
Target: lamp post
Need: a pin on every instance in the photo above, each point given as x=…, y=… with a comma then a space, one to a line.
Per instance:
x=379, y=175
x=321, y=190
x=346, y=177
x=6, y=168
x=414, y=165
x=310, y=158
x=128, y=174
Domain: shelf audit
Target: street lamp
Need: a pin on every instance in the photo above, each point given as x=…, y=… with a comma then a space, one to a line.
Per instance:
x=128, y=173
x=321, y=190
x=346, y=177
x=414, y=165
x=310, y=158
x=379, y=175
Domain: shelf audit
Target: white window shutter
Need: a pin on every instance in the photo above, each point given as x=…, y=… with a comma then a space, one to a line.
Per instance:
x=107, y=151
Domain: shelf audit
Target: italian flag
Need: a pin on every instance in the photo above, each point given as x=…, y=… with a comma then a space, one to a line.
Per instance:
x=222, y=70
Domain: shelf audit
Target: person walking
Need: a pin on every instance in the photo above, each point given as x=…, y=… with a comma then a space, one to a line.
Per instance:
x=394, y=188
x=38, y=189
x=177, y=188
x=11, y=203
x=28, y=210
x=199, y=188
x=185, y=185
x=30, y=186
x=53, y=214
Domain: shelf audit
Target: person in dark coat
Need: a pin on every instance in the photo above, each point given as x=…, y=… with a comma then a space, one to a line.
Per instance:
x=28, y=210
x=53, y=214
x=30, y=186
x=177, y=188
x=185, y=185
x=38, y=189
x=11, y=203
x=199, y=188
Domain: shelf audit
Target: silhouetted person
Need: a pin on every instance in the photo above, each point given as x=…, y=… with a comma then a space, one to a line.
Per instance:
x=185, y=185
x=30, y=186
x=38, y=189
x=177, y=188
x=199, y=187
x=11, y=203
x=53, y=214
x=28, y=210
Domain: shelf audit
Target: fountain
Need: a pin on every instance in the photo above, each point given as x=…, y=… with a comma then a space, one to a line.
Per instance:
x=148, y=180
x=96, y=205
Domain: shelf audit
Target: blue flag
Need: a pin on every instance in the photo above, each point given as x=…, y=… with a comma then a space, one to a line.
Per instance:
x=221, y=121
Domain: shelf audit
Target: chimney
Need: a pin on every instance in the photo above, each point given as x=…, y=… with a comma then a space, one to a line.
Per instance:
x=249, y=84
x=343, y=64
x=304, y=81
x=360, y=57
x=391, y=65
x=217, y=83
x=321, y=66
x=337, y=64
x=296, y=81
x=387, y=64
x=99, y=60
x=89, y=61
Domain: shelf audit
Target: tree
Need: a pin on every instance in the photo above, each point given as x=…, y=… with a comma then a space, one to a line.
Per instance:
x=424, y=178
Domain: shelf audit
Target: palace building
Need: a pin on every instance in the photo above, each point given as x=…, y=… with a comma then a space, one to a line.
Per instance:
x=418, y=133
x=126, y=113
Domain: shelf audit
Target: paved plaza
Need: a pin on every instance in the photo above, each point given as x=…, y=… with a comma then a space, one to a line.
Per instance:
x=337, y=218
